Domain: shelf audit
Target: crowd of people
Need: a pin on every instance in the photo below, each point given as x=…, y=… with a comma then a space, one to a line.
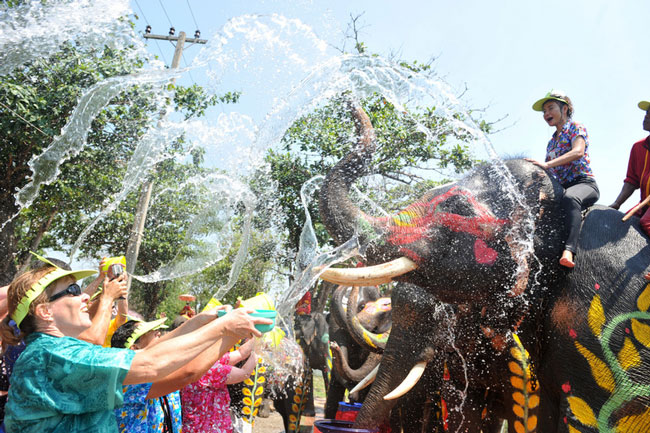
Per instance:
x=77, y=360
x=65, y=379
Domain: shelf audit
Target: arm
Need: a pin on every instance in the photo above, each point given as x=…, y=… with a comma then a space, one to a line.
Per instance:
x=101, y=318
x=191, y=325
x=4, y=308
x=237, y=375
x=193, y=370
x=155, y=362
x=625, y=193
x=92, y=287
x=577, y=151
x=244, y=351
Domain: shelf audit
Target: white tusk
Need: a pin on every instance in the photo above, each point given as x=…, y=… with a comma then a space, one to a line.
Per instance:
x=414, y=375
x=370, y=275
x=370, y=378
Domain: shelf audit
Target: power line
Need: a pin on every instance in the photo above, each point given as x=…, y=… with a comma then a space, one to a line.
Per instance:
x=26, y=121
x=142, y=12
x=192, y=12
x=147, y=21
x=164, y=10
x=188, y=71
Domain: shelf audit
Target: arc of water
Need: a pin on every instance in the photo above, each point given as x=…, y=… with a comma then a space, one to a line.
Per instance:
x=46, y=166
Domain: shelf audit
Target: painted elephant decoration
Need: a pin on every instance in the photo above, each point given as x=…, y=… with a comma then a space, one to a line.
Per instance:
x=550, y=350
x=351, y=361
x=312, y=334
x=290, y=398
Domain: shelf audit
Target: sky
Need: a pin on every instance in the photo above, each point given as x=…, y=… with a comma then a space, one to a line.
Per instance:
x=507, y=54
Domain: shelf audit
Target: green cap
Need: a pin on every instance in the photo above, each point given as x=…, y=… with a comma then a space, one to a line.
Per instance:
x=144, y=327
x=22, y=309
x=644, y=105
x=553, y=95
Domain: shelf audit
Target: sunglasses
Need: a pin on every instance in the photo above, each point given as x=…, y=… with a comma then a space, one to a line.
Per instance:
x=72, y=289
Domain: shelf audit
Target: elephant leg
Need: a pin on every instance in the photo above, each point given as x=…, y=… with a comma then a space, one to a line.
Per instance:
x=310, y=410
x=335, y=394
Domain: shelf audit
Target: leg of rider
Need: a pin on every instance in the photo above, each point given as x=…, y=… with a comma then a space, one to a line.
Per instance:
x=645, y=226
x=576, y=198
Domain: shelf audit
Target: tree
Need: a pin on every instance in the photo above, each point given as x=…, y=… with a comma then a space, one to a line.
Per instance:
x=40, y=97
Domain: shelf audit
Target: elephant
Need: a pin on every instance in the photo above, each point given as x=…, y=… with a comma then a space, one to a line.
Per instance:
x=546, y=348
x=351, y=362
x=290, y=395
x=312, y=334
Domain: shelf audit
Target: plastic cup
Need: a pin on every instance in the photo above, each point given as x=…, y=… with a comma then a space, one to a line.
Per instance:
x=268, y=314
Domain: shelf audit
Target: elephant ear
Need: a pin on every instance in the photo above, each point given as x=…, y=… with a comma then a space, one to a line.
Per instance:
x=307, y=328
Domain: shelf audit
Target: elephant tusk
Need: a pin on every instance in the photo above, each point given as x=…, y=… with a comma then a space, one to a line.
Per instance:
x=371, y=275
x=370, y=378
x=414, y=375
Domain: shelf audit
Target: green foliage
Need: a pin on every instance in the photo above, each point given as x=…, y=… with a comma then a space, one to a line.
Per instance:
x=41, y=96
x=315, y=142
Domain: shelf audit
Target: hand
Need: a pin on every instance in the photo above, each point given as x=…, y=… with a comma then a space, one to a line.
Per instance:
x=238, y=323
x=615, y=206
x=212, y=313
x=538, y=163
x=116, y=288
x=246, y=349
x=102, y=272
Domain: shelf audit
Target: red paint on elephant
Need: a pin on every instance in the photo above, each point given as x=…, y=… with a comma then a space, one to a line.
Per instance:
x=373, y=307
x=483, y=254
x=415, y=222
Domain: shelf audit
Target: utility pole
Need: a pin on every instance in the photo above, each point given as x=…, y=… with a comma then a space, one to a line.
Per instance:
x=135, y=238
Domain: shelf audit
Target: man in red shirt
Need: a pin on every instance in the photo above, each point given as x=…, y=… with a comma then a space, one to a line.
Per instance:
x=638, y=173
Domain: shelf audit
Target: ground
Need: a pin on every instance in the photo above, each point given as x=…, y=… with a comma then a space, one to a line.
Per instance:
x=273, y=424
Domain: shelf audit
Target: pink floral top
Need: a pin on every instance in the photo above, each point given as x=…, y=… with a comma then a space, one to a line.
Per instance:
x=206, y=402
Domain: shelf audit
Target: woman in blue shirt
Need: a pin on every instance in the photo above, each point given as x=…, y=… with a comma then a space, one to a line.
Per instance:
x=63, y=384
x=567, y=158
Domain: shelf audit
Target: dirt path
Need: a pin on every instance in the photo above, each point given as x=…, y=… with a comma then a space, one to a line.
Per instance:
x=273, y=424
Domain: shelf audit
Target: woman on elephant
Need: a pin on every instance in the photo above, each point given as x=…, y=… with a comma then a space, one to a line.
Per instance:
x=63, y=384
x=567, y=158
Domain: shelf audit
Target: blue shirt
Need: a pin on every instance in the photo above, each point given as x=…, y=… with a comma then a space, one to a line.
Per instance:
x=560, y=144
x=65, y=385
x=142, y=415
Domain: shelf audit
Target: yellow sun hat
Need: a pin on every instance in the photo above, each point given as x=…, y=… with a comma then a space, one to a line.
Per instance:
x=644, y=105
x=144, y=327
x=22, y=309
x=553, y=95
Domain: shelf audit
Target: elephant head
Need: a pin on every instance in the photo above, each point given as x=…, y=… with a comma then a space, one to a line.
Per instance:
x=367, y=321
x=464, y=241
x=479, y=242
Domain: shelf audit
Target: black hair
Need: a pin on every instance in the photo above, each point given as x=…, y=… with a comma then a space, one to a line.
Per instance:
x=123, y=333
x=178, y=321
x=567, y=102
x=38, y=264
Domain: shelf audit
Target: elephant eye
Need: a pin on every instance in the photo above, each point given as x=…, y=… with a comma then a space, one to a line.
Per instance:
x=457, y=204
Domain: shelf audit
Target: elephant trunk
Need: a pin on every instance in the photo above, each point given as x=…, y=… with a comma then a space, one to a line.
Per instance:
x=340, y=361
x=407, y=352
x=373, y=342
x=338, y=212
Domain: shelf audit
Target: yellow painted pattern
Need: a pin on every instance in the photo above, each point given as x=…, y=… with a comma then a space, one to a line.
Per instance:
x=525, y=399
x=643, y=302
x=599, y=370
x=573, y=429
x=641, y=331
x=405, y=218
x=582, y=411
x=596, y=318
x=629, y=357
x=634, y=423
